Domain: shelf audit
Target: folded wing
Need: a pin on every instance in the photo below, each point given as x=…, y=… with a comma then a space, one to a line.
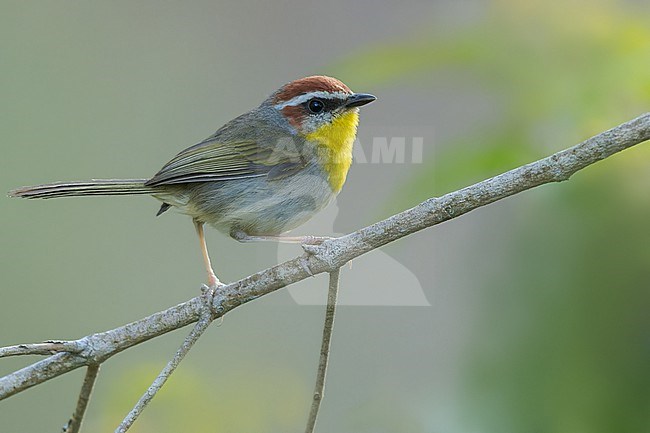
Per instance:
x=213, y=160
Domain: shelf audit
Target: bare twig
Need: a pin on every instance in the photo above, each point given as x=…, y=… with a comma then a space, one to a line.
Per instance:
x=97, y=348
x=74, y=424
x=330, y=312
x=197, y=331
x=332, y=254
x=45, y=348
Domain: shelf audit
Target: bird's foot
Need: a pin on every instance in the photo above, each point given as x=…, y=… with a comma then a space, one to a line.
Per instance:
x=209, y=295
x=312, y=244
x=213, y=281
x=314, y=240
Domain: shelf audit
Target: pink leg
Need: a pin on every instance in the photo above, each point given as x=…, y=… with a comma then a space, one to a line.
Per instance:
x=213, y=281
x=304, y=240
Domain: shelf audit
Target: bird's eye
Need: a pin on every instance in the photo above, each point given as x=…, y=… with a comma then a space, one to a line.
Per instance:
x=315, y=105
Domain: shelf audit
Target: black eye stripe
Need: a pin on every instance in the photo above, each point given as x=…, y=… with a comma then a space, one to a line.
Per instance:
x=329, y=104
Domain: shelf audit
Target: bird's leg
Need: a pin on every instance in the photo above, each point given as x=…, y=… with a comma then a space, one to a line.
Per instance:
x=308, y=243
x=213, y=281
x=304, y=240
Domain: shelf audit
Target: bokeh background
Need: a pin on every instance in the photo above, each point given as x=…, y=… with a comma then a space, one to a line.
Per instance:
x=536, y=317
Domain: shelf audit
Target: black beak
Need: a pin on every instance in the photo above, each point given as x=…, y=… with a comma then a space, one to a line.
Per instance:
x=359, y=99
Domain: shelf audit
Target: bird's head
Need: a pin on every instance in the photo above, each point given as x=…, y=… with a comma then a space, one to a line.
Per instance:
x=324, y=112
x=320, y=105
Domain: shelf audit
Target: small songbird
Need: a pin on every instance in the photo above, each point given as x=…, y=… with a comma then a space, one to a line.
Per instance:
x=260, y=175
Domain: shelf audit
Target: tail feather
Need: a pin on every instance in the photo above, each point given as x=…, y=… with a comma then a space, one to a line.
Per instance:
x=93, y=187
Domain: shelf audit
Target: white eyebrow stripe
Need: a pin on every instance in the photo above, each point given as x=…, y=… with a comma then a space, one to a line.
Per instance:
x=300, y=99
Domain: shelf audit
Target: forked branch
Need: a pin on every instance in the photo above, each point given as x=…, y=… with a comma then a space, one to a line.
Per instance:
x=328, y=257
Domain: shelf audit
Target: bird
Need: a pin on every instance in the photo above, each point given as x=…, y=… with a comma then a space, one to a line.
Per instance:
x=260, y=175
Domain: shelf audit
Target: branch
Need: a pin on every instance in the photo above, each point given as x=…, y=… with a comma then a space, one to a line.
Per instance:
x=332, y=254
x=188, y=343
x=96, y=348
x=45, y=348
x=74, y=424
x=330, y=311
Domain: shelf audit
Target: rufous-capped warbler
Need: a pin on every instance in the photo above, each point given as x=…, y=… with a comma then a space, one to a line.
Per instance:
x=260, y=175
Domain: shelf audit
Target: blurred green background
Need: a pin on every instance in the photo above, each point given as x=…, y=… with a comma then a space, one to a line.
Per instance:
x=539, y=318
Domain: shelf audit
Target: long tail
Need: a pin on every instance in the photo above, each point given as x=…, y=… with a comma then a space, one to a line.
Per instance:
x=93, y=187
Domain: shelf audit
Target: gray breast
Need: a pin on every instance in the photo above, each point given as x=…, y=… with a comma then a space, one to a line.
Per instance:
x=259, y=206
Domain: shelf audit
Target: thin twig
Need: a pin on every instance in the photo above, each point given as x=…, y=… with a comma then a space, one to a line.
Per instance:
x=74, y=424
x=97, y=348
x=330, y=312
x=45, y=348
x=197, y=331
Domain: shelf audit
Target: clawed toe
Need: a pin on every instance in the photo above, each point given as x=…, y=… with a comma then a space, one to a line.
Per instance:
x=314, y=240
x=210, y=289
x=305, y=266
x=311, y=248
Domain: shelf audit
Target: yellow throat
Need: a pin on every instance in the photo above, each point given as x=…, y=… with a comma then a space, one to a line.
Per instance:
x=335, y=141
